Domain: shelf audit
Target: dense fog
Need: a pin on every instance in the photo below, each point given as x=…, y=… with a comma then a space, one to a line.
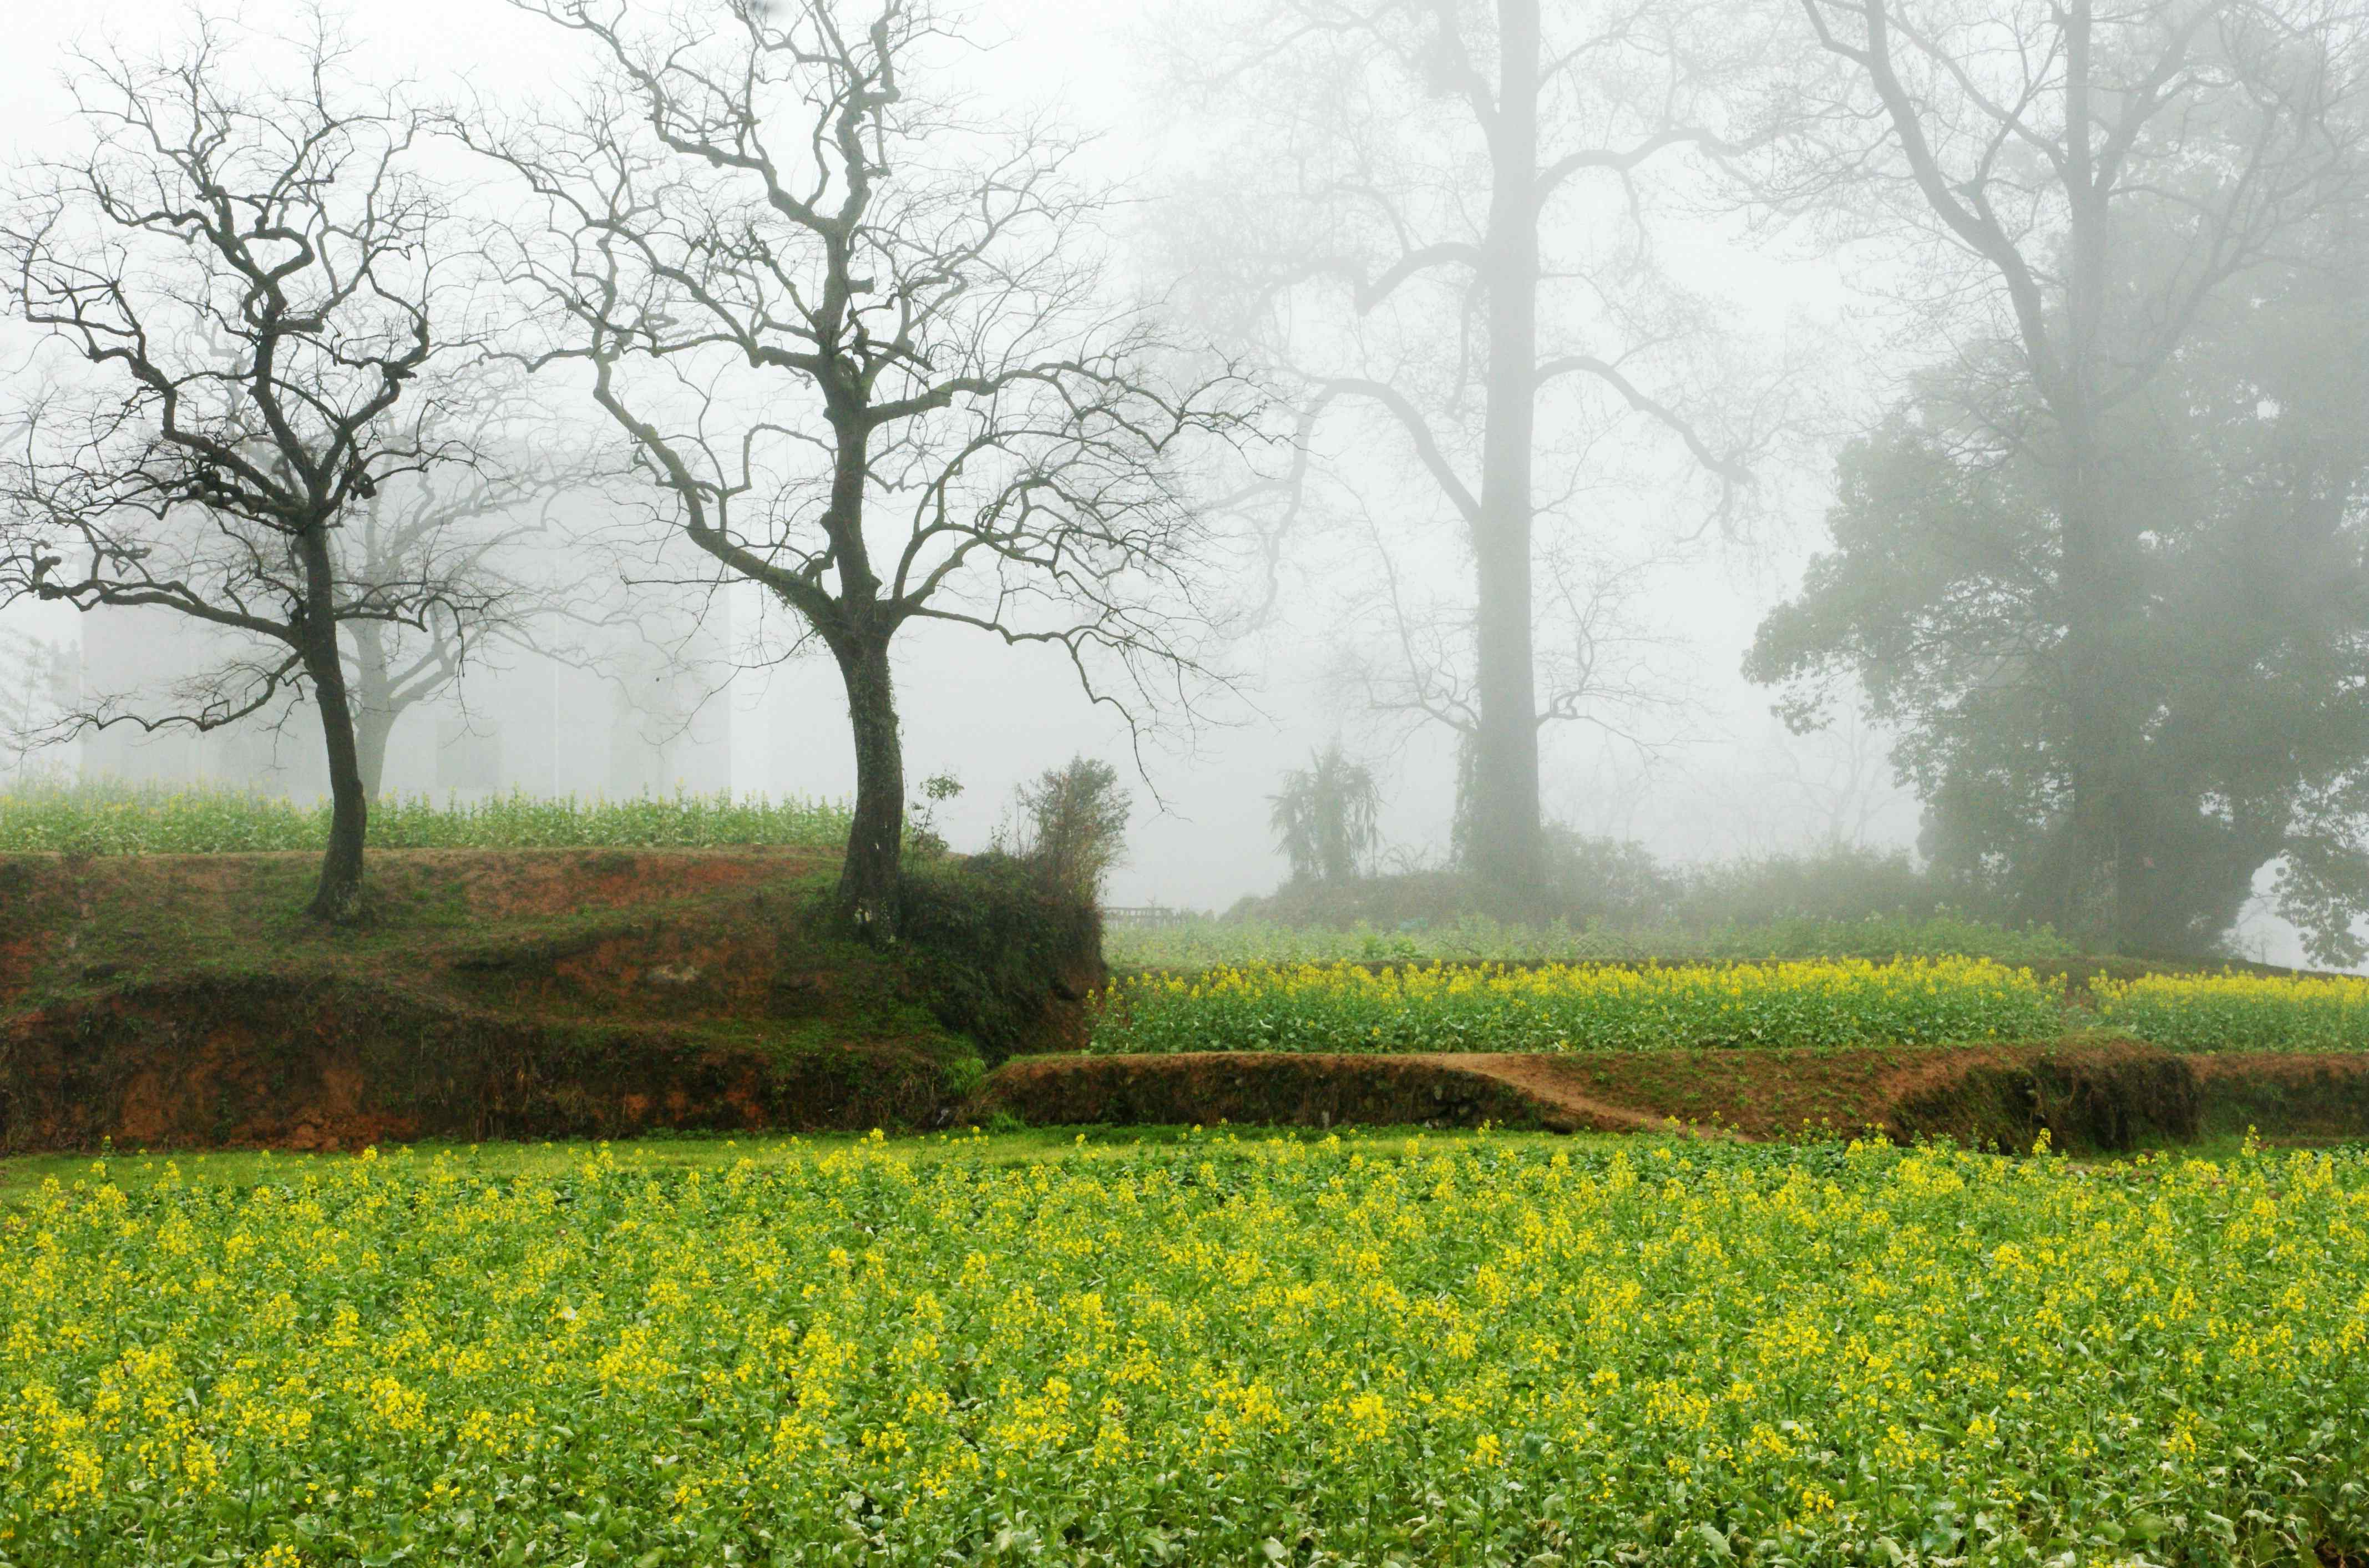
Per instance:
x=1819, y=367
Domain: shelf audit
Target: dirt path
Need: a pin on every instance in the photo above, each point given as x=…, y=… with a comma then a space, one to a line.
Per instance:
x=1562, y=1108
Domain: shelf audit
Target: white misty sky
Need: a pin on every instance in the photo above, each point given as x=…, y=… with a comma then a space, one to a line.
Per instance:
x=994, y=715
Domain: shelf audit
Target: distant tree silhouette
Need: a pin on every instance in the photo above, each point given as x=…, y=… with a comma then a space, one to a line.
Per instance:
x=2084, y=187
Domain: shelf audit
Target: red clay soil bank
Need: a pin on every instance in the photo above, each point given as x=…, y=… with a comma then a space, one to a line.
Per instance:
x=507, y=884
x=1306, y=1090
x=181, y=1002
x=326, y=1064
x=2087, y=1094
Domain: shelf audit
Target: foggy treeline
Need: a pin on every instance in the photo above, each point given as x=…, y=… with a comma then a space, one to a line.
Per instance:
x=1423, y=403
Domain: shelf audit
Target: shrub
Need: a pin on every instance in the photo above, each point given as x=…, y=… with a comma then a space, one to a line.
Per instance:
x=996, y=949
x=1611, y=898
x=1607, y=881
x=1838, y=884
x=1073, y=825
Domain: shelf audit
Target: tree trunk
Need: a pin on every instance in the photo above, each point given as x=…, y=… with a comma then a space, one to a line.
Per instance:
x=2096, y=902
x=1506, y=831
x=372, y=725
x=867, y=881
x=339, y=895
x=2088, y=903
x=373, y=704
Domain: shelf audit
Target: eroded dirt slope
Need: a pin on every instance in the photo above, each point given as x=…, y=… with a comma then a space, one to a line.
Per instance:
x=184, y=999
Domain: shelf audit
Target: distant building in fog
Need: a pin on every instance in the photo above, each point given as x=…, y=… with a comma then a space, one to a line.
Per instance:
x=515, y=721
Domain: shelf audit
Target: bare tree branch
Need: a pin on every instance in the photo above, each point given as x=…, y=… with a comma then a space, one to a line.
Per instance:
x=860, y=346
x=253, y=306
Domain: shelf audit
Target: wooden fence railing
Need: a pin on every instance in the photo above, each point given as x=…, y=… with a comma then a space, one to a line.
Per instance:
x=1145, y=914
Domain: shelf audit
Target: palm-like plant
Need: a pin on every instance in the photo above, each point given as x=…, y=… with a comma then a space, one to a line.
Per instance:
x=1326, y=817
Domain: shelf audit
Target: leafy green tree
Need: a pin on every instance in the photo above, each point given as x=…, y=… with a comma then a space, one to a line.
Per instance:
x=2082, y=187
x=2240, y=480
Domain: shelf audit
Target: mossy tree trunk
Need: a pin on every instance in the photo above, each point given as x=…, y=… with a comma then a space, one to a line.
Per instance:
x=868, y=881
x=339, y=895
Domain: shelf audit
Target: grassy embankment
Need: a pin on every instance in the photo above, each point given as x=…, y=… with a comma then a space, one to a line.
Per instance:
x=494, y=991
x=649, y=984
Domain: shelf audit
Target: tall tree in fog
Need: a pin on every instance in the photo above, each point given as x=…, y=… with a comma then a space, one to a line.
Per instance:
x=1436, y=217
x=2088, y=185
x=249, y=296
x=861, y=345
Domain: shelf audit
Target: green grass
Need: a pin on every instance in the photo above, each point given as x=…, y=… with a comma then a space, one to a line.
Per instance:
x=103, y=818
x=1206, y=944
x=121, y=922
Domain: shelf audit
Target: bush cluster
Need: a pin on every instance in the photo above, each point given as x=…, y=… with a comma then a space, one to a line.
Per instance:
x=1601, y=884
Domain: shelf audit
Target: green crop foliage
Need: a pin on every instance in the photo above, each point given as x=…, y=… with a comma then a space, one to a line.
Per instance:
x=1558, y=1007
x=1208, y=944
x=114, y=818
x=2240, y=1012
x=1206, y=1352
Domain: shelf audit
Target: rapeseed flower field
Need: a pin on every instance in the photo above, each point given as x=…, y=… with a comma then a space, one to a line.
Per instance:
x=1201, y=942
x=1564, y=1007
x=1217, y=1351
x=2239, y=1012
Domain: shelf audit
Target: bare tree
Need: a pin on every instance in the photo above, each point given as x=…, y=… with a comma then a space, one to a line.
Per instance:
x=1835, y=785
x=1440, y=230
x=256, y=282
x=1600, y=660
x=2086, y=181
x=861, y=345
